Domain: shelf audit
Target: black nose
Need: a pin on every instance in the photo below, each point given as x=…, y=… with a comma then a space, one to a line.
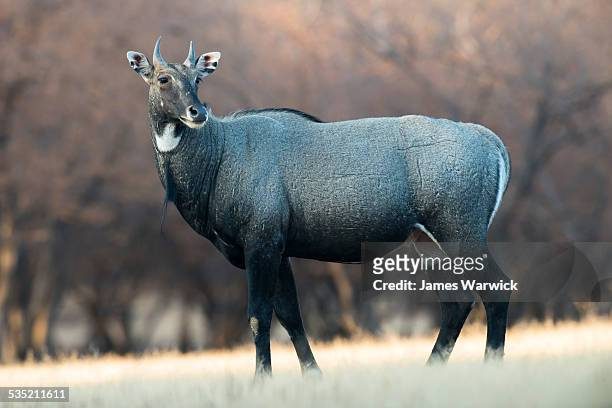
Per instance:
x=196, y=113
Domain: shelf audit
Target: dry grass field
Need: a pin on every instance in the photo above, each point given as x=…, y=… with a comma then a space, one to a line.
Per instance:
x=564, y=365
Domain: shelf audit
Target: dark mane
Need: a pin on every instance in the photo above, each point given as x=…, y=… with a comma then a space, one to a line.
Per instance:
x=245, y=112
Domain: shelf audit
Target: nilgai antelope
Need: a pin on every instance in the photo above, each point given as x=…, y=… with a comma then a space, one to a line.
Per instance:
x=269, y=184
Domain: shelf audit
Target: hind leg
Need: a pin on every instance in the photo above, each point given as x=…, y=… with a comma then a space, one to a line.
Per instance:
x=287, y=310
x=453, y=316
x=496, y=308
x=455, y=306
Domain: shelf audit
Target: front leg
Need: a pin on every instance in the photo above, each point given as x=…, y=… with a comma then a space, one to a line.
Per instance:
x=262, y=264
x=287, y=309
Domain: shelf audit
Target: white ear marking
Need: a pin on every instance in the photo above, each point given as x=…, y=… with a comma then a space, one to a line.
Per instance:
x=207, y=63
x=139, y=63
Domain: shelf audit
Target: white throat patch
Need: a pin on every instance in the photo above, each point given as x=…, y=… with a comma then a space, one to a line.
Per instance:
x=168, y=140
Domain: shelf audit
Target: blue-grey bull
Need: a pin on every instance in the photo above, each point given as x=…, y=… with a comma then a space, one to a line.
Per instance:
x=266, y=185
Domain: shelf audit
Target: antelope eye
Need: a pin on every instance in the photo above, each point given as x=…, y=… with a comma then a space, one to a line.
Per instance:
x=197, y=81
x=163, y=79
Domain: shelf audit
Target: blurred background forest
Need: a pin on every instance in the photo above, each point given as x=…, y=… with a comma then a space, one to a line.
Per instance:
x=83, y=267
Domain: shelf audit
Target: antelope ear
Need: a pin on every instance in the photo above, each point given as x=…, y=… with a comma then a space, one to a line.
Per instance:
x=139, y=63
x=207, y=63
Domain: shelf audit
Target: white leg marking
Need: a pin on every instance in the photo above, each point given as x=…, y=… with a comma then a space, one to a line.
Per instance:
x=254, y=323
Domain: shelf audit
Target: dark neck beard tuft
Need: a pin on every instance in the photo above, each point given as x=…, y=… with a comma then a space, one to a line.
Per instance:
x=170, y=195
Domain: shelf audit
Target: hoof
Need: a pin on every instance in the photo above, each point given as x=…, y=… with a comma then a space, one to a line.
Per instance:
x=312, y=371
x=436, y=359
x=494, y=355
x=261, y=375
